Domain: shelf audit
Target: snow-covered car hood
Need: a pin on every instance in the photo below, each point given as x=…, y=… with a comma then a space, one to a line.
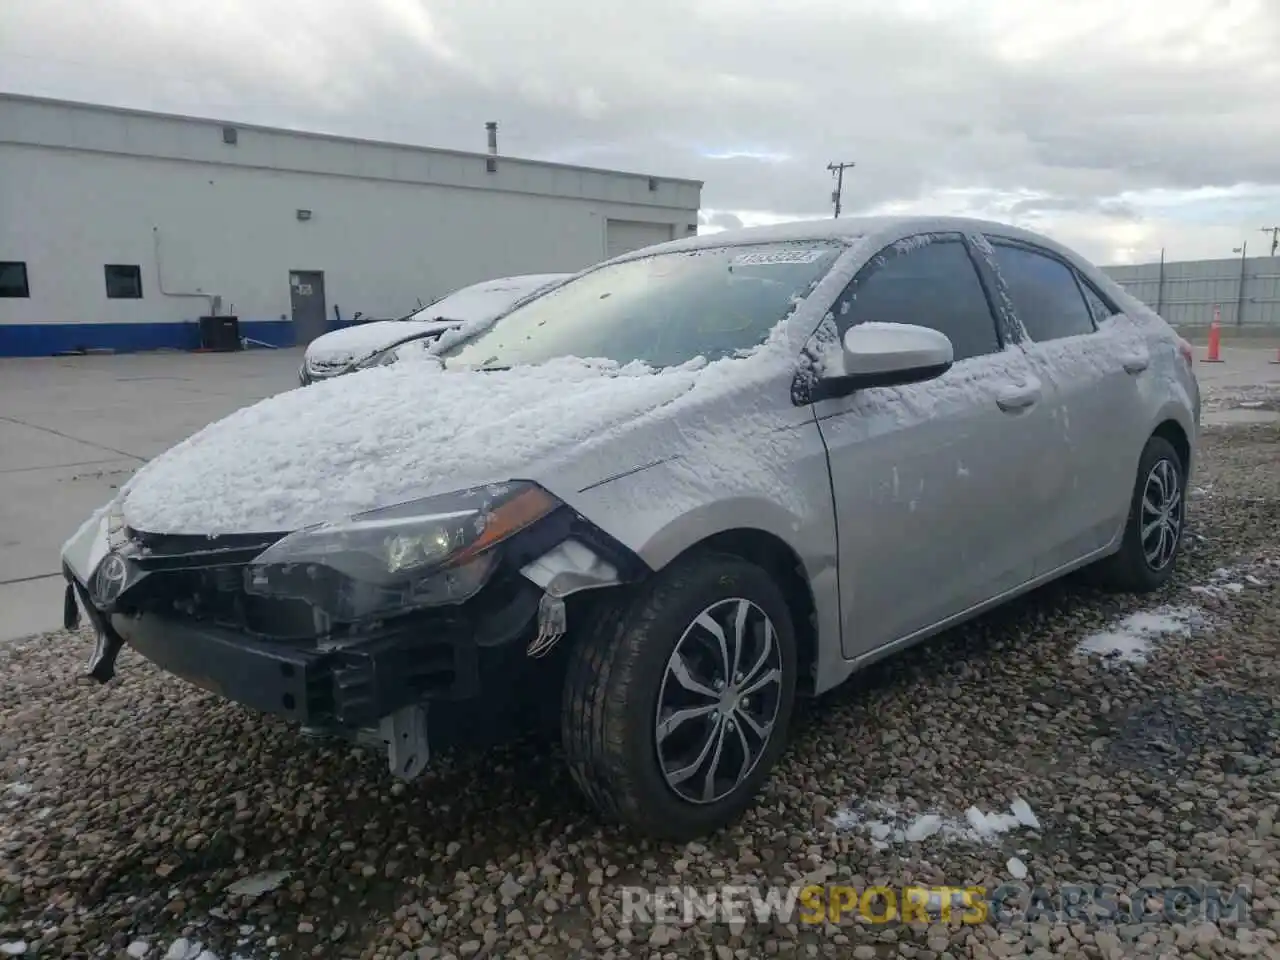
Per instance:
x=356, y=343
x=388, y=435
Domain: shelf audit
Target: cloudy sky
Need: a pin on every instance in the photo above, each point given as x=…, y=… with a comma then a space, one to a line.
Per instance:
x=1118, y=126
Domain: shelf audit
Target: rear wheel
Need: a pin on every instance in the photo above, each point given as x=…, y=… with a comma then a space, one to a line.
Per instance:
x=1157, y=518
x=677, y=703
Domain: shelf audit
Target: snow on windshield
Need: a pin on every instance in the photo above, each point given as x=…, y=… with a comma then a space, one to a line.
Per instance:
x=662, y=310
x=484, y=301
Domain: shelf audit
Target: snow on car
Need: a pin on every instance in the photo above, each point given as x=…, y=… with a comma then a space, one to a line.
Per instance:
x=339, y=350
x=657, y=503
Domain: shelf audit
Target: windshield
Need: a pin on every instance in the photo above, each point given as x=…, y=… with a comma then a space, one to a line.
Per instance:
x=664, y=310
x=482, y=300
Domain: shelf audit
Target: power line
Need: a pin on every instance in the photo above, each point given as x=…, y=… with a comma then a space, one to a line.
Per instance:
x=838, y=169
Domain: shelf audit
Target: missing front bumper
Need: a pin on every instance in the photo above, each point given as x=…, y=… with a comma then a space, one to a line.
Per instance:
x=352, y=687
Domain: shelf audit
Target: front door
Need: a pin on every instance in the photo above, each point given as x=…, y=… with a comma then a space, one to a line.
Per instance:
x=306, y=298
x=934, y=483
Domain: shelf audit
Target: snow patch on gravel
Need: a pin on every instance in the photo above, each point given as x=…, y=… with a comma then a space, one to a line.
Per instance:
x=1226, y=581
x=184, y=949
x=258, y=884
x=1132, y=639
x=887, y=825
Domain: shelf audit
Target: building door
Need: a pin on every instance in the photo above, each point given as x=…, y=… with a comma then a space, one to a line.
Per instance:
x=623, y=236
x=306, y=298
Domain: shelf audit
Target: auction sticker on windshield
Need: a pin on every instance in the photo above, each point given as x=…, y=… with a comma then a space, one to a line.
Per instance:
x=779, y=256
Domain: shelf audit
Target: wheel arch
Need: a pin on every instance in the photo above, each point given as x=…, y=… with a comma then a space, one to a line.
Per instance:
x=783, y=564
x=1171, y=430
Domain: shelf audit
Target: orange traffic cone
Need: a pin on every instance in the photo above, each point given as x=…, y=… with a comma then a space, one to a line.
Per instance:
x=1215, y=337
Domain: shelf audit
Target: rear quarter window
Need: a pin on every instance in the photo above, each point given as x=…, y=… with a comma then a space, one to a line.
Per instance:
x=1099, y=307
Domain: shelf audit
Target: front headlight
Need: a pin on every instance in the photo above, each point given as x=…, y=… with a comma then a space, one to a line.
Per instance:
x=419, y=554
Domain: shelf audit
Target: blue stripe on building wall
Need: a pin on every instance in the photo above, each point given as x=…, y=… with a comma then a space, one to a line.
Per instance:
x=49, y=339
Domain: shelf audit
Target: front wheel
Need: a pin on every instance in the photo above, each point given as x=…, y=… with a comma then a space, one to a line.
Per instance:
x=677, y=702
x=1157, y=518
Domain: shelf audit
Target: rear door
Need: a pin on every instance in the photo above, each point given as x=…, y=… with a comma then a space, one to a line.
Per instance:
x=1093, y=371
x=934, y=484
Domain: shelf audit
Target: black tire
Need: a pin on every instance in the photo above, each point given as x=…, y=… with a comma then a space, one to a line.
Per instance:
x=616, y=672
x=1130, y=569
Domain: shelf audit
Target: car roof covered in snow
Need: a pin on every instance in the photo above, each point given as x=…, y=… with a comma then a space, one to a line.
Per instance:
x=848, y=230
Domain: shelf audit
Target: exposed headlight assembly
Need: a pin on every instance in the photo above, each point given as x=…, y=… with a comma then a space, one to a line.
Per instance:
x=424, y=553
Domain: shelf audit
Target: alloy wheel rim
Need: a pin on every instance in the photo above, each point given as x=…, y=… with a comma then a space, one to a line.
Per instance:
x=719, y=701
x=1161, y=521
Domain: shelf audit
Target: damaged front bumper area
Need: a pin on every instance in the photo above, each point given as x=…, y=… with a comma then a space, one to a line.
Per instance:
x=184, y=603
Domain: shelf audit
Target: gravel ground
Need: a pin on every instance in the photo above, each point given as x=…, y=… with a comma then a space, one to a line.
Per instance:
x=127, y=812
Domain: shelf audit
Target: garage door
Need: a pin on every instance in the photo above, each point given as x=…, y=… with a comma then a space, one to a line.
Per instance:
x=623, y=236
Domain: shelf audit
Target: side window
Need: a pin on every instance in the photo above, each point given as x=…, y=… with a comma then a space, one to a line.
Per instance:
x=1044, y=292
x=1100, y=309
x=934, y=284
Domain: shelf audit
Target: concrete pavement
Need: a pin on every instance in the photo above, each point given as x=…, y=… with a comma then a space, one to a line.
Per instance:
x=1243, y=388
x=73, y=429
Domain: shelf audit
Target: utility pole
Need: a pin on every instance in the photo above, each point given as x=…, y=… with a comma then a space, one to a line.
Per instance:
x=1275, y=238
x=1243, y=250
x=838, y=169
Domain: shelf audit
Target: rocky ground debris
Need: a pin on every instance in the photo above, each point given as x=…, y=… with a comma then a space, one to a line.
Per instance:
x=148, y=819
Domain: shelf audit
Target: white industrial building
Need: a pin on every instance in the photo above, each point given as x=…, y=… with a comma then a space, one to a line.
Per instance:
x=119, y=229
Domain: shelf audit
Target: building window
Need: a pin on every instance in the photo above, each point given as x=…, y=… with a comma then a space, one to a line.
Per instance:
x=124, y=282
x=13, y=280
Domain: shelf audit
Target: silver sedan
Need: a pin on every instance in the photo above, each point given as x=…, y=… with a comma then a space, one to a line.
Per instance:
x=667, y=497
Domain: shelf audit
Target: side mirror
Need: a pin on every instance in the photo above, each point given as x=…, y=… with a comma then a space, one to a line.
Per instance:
x=887, y=355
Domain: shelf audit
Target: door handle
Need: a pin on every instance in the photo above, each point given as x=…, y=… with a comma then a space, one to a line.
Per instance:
x=1016, y=399
x=1135, y=363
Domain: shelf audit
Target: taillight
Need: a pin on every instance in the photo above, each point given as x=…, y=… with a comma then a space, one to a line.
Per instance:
x=1184, y=351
